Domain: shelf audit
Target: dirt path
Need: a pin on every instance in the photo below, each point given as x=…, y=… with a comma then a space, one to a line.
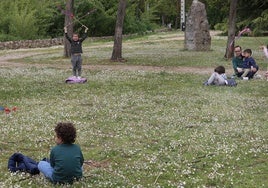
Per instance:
x=6, y=60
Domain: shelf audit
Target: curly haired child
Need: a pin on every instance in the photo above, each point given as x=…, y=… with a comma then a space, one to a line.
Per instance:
x=66, y=158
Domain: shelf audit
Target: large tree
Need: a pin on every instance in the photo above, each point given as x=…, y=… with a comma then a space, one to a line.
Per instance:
x=69, y=24
x=231, y=29
x=118, y=35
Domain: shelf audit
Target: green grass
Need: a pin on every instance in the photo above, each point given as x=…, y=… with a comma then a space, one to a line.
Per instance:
x=142, y=128
x=160, y=49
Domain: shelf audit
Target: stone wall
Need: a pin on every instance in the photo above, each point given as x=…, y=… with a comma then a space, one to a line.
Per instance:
x=31, y=43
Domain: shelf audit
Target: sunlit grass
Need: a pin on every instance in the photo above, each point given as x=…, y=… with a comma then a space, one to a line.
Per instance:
x=142, y=129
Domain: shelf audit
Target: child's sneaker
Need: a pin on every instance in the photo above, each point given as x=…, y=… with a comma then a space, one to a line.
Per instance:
x=205, y=83
x=257, y=76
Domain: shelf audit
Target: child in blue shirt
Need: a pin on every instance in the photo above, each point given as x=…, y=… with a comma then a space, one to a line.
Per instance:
x=66, y=158
x=249, y=64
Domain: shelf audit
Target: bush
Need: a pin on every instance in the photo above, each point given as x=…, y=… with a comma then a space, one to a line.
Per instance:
x=23, y=25
x=6, y=37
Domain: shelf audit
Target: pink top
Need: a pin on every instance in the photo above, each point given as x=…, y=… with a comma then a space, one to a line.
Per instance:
x=265, y=51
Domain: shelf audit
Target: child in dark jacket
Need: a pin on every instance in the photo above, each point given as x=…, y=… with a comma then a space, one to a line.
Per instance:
x=66, y=158
x=249, y=65
x=76, y=51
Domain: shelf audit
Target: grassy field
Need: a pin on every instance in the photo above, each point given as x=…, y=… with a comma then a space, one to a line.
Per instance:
x=139, y=128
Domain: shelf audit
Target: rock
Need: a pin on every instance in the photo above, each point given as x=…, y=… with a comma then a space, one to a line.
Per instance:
x=197, y=36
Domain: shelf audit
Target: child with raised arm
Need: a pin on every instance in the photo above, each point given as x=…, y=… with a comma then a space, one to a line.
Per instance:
x=66, y=158
x=76, y=51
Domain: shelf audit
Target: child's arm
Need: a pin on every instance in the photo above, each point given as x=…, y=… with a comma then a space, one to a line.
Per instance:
x=253, y=65
x=51, y=158
x=85, y=34
x=265, y=51
x=66, y=35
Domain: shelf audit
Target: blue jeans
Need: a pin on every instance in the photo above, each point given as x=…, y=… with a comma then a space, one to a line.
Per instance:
x=46, y=169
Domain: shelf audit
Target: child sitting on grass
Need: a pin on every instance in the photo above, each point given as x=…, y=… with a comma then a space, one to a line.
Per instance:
x=218, y=77
x=249, y=64
x=66, y=158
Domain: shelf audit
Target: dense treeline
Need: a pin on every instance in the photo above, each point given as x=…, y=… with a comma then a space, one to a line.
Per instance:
x=250, y=13
x=31, y=19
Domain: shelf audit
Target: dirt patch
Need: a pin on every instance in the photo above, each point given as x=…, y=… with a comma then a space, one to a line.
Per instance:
x=6, y=61
x=150, y=68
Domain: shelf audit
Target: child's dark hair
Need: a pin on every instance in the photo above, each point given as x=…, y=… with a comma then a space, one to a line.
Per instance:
x=248, y=51
x=66, y=131
x=220, y=69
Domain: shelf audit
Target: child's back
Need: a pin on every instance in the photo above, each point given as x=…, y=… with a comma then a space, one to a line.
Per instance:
x=66, y=159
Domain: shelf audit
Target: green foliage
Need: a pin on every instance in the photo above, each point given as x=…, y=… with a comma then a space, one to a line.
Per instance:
x=251, y=14
x=23, y=22
x=44, y=18
x=134, y=24
x=101, y=22
x=26, y=19
x=217, y=12
x=221, y=27
x=5, y=13
x=167, y=8
x=261, y=22
x=6, y=37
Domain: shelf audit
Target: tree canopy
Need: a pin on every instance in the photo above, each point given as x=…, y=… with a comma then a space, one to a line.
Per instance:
x=32, y=19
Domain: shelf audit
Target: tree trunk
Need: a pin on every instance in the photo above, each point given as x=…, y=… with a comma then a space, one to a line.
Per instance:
x=177, y=15
x=163, y=20
x=231, y=30
x=68, y=22
x=117, y=49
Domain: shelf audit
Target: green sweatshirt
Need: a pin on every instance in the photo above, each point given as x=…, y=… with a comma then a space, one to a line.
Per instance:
x=67, y=161
x=237, y=62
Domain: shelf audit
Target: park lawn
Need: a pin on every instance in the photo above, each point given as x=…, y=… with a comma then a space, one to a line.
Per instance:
x=139, y=128
x=157, y=49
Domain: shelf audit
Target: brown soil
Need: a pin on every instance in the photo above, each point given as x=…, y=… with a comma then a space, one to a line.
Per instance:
x=6, y=61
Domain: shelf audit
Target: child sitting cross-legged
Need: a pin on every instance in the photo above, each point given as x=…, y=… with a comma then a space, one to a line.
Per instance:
x=249, y=65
